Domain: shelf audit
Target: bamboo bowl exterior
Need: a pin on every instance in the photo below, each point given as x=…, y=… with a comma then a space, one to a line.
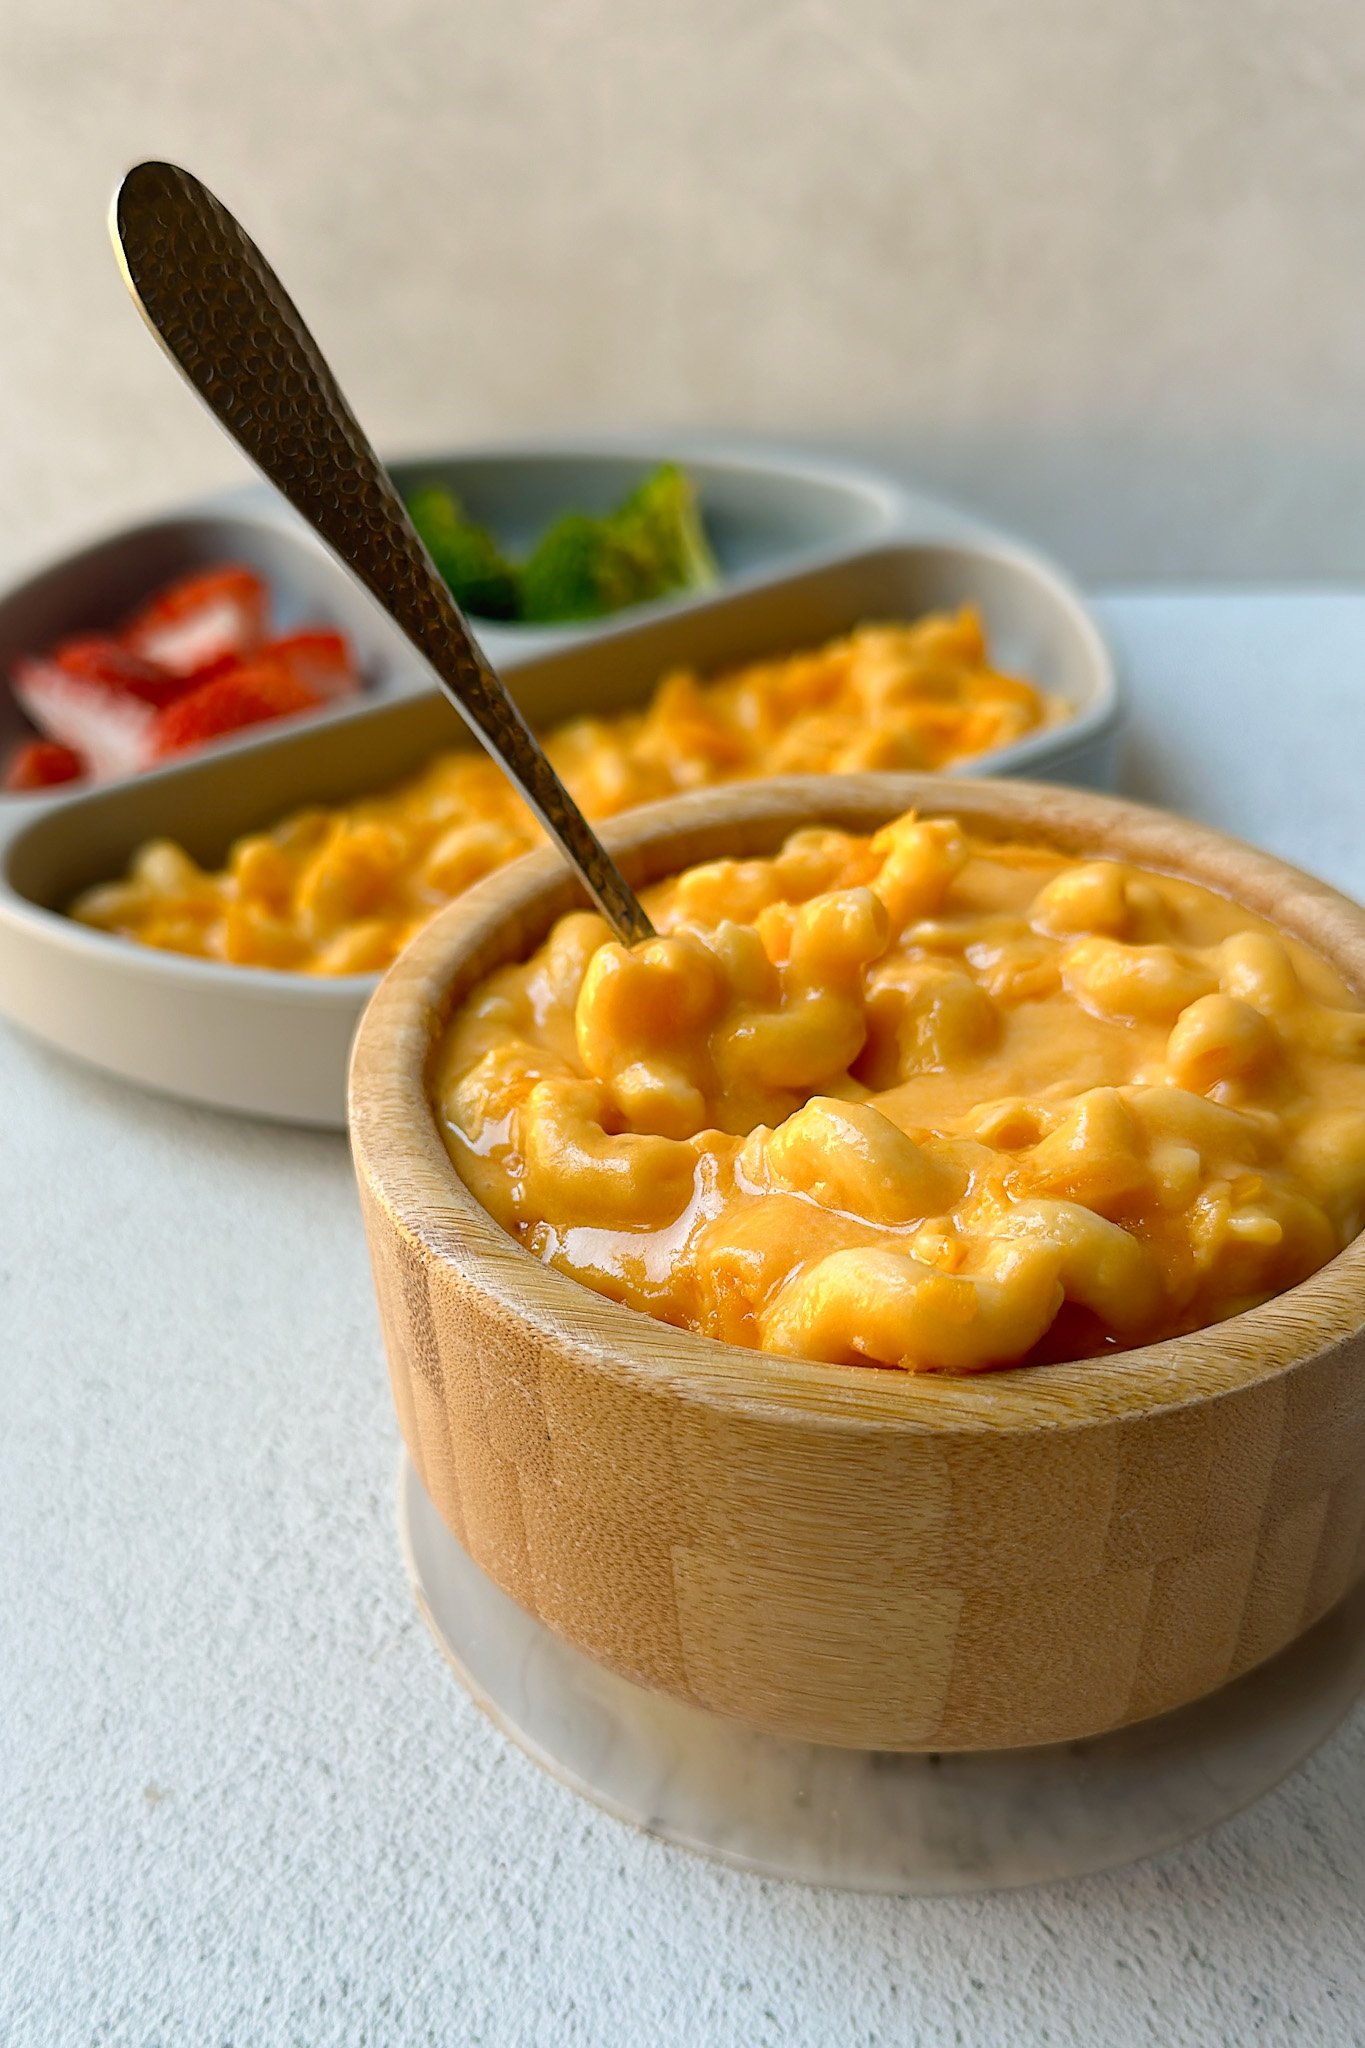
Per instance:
x=846, y=1555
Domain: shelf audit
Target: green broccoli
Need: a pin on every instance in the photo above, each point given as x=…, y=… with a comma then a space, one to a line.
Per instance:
x=481, y=578
x=651, y=546
x=666, y=519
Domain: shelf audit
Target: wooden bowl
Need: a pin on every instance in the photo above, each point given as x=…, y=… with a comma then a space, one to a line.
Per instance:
x=853, y=1556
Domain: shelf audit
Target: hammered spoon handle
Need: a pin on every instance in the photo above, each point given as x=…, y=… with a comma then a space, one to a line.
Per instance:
x=228, y=324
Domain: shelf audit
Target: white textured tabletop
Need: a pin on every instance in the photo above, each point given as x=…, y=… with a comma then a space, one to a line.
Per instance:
x=242, y=1799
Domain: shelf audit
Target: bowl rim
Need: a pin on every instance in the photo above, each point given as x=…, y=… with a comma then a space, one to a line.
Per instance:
x=401, y=1158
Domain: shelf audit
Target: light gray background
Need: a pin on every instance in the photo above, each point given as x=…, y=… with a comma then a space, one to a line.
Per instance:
x=1096, y=268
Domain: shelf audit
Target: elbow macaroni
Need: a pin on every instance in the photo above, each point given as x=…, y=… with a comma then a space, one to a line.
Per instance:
x=920, y=1101
x=342, y=891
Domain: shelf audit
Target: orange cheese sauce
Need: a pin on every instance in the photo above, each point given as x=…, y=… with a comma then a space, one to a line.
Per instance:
x=918, y=1100
x=342, y=890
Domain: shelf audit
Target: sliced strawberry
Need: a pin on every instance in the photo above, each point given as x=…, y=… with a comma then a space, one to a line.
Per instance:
x=222, y=666
x=245, y=696
x=38, y=764
x=195, y=622
x=318, y=658
x=73, y=698
x=95, y=658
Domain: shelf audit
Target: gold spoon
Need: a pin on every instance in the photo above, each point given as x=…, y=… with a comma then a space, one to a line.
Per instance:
x=226, y=321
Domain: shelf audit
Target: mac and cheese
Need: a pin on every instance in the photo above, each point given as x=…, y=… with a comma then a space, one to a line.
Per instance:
x=918, y=1100
x=341, y=891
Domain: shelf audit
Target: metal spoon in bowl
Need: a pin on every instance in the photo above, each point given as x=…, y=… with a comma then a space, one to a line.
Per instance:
x=225, y=320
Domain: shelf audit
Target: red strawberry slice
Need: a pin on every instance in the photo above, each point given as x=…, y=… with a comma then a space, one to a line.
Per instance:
x=318, y=658
x=244, y=696
x=38, y=764
x=94, y=658
x=96, y=697
x=222, y=666
x=194, y=623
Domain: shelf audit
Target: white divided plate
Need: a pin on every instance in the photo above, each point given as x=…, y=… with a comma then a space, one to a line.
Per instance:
x=763, y=513
x=275, y=1044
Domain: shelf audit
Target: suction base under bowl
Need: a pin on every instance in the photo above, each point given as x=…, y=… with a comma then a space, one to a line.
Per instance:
x=875, y=1821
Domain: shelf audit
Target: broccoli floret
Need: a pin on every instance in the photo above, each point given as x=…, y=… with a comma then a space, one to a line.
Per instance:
x=573, y=572
x=665, y=518
x=481, y=578
x=653, y=545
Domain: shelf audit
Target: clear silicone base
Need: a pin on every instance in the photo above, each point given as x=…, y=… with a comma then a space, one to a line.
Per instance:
x=875, y=1821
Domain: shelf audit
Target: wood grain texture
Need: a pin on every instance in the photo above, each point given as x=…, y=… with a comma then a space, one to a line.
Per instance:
x=848, y=1555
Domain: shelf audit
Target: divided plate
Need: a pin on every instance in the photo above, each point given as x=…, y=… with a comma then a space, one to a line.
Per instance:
x=276, y=1044
x=766, y=513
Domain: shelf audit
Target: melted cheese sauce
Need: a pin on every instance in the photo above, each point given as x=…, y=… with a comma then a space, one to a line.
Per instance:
x=919, y=1100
